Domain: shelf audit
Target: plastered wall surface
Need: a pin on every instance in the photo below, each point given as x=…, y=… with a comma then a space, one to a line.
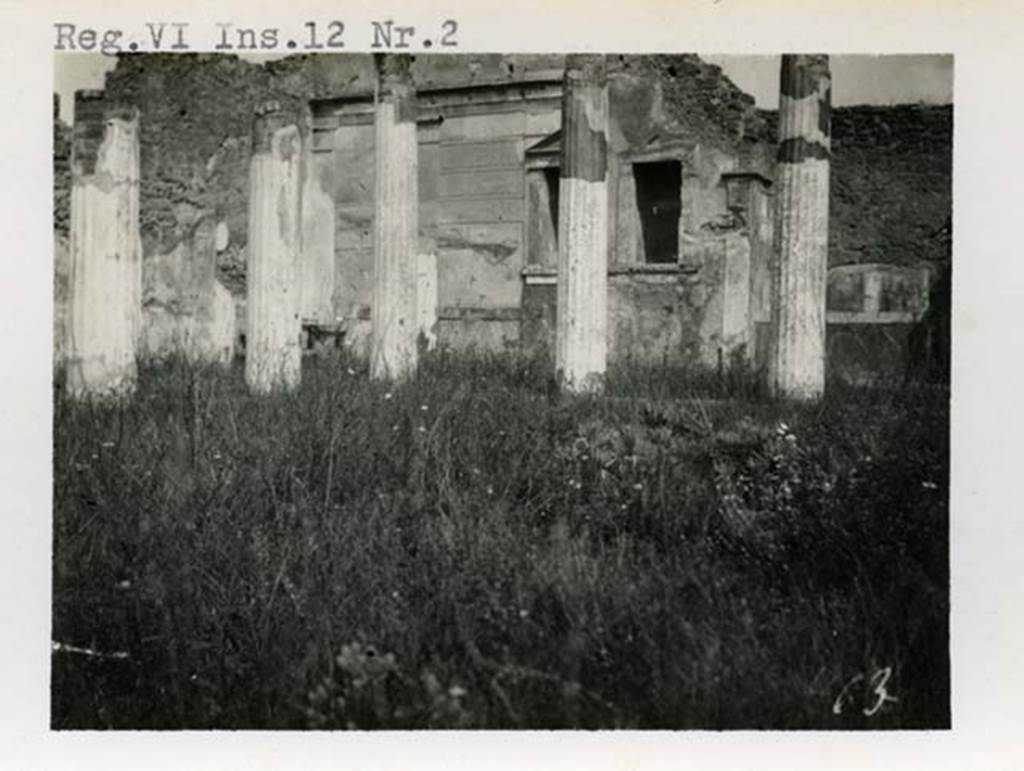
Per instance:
x=488, y=155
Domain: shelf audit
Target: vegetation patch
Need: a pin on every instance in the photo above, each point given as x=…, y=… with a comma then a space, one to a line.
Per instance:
x=472, y=550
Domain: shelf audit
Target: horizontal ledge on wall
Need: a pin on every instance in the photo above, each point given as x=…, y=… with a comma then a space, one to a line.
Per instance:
x=534, y=274
x=460, y=313
x=452, y=100
x=883, y=317
x=673, y=150
x=747, y=175
x=444, y=313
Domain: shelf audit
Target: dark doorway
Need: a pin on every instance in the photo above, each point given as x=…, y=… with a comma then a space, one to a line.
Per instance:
x=657, y=199
x=551, y=179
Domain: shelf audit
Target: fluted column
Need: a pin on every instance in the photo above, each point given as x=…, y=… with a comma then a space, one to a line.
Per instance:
x=105, y=282
x=393, y=346
x=582, y=301
x=273, y=356
x=797, y=365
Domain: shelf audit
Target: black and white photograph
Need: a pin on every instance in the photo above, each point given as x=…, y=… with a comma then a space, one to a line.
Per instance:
x=502, y=391
x=398, y=385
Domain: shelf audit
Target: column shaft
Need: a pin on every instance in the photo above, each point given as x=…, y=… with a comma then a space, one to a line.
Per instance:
x=797, y=363
x=582, y=299
x=273, y=356
x=393, y=343
x=105, y=282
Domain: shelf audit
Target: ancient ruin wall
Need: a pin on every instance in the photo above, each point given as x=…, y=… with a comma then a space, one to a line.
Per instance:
x=61, y=176
x=195, y=111
x=891, y=175
x=891, y=185
x=196, y=115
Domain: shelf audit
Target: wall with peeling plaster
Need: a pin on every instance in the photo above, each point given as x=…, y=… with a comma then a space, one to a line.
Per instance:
x=488, y=154
x=196, y=113
x=891, y=184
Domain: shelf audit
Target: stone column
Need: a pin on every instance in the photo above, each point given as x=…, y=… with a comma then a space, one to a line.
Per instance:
x=797, y=363
x=393, y=347
x=273, y=355
x=582, y=301
x=105, y=282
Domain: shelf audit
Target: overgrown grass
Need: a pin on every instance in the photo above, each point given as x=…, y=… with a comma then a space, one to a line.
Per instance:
x=471, y=549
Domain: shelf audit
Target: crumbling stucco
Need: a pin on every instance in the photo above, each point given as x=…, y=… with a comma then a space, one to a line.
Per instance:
x=890, y=180
x=187, y=312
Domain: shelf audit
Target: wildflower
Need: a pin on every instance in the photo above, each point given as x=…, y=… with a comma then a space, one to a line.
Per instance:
x=638, y=486
x=394, y=427
x=387, y=395
x=395, y=594
x=423, y=429
x=523, y=613
x=490, y=490
x=107, y=445
x=351, y=371
x=423, y=407
x=457, y=691
x=929, y=486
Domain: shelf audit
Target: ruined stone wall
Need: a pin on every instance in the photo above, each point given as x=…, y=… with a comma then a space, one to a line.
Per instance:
x=61, y=176
x=488, y=166
x=61, y=226
x=196, y=117
x=891, y=182
x=892, y=178
x=471, y=188
x=700, y=101
x=196, y=113
x=891, y=169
